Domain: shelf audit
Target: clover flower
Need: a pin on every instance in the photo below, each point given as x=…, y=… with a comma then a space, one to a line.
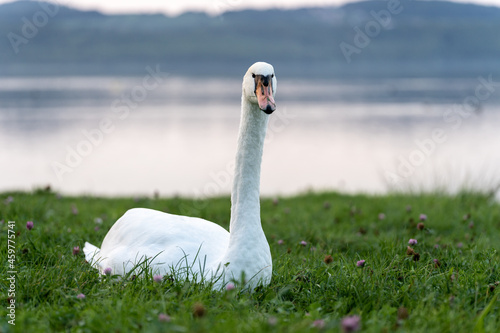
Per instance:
x=319, y=323
x=163, y=318
x=350, y=324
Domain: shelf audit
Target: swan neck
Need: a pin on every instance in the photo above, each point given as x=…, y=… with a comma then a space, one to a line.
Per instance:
x=245, y=202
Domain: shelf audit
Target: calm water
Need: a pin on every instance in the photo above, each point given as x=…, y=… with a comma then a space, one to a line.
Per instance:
x=81, y=135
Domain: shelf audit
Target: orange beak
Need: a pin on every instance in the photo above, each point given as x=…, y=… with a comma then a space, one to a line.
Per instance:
x=264, y=93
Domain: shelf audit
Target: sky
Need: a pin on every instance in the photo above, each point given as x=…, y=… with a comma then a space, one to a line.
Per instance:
x=175, y=7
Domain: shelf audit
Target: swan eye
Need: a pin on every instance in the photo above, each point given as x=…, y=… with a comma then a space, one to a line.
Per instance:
x=253, y=75
x=272, y=75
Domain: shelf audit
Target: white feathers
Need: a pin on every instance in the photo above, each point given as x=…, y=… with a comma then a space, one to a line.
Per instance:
x=194, y=248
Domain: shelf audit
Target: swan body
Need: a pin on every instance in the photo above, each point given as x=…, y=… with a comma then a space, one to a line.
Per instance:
x=193, y=248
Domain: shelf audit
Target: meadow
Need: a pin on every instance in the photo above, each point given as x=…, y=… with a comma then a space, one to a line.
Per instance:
x=395, y=263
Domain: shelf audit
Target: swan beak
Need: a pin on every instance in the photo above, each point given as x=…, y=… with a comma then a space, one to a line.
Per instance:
x=264, y=93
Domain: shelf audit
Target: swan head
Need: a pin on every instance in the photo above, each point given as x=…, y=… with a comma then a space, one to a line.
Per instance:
x=259, y=86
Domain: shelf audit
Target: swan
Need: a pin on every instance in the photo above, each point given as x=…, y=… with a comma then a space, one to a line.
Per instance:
x=190, y=247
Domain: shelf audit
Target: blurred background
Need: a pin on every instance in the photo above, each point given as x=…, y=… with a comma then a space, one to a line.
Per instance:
x=373, y=96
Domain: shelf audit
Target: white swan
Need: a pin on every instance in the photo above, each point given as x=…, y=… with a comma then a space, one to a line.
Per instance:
x=195, y=248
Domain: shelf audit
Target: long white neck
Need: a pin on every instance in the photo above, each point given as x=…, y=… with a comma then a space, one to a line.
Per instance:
x=245, y=203
x=245, y=225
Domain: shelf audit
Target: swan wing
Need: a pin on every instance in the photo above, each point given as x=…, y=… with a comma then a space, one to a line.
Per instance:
x=172, y=243
x=92, y=252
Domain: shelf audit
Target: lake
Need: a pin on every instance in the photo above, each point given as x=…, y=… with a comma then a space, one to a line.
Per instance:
x=177, y=136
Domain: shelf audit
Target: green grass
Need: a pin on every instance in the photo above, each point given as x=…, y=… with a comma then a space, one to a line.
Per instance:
x=459, y=295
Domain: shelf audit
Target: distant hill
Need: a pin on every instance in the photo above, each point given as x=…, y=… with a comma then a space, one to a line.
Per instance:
x=421, y=38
